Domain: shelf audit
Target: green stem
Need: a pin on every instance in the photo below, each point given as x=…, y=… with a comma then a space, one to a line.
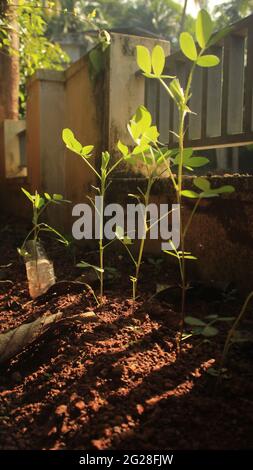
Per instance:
x=142, y=243
x=101, y=236
x=191, y=217
x=179, y=201
x=232, y=330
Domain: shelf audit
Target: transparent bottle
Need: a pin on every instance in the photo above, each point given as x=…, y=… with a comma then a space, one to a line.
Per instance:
x=39, y=269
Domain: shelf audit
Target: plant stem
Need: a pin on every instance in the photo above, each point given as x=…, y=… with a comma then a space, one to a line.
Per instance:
x=101, y=236
x=142, y=243
x=232, y=330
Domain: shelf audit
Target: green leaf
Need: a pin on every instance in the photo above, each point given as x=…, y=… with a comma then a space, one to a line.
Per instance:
x=105, y=160
x=204, y=28
x=189, y=257
x=41, y=203
x=190, y=161
x=143, y=59
x=83, y=264
x=28, y=195
x=57, y=197
x=193, y=321
x=142, y=119
x=208, y=60
x=187, y=46
x=189, y=193
x=71, y=142
x=202, y=183
x=158, y=60
x=122, y=148
x=151, y=134
x=208, y=194
x=209, y=331
x=177, y=91
x=37, y=200
x=197, y=162
x=168, y=252
x=225, y=189
x=47, y=196
x=139, y=149
x=86, y=151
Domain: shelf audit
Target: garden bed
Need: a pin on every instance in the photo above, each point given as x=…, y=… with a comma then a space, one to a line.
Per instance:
x=114, y=381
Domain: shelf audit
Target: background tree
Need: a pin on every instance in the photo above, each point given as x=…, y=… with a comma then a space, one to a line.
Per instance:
x=199, y=3
x=9, y=80
x=232, y=11
x=24, y=47
x=161, y=17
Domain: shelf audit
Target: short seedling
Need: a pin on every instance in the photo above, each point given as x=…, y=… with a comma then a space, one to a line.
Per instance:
x=146, y=150
x=39, y=205
x=205, y=328
x=85, y=152
x=234, y=335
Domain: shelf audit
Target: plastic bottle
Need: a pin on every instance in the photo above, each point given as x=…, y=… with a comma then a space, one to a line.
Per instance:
x=39, y=269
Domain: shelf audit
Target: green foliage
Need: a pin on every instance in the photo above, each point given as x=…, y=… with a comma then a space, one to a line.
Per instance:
x=189, y=161
x=147, y=151
x=36, y=51
x=235, y=335
x=208, y=60
x=203, y=29
x=39, y=204
x=181, y=157
x=205, y=328
x=102, y=175
x=188, y=47
x=231, y=11
x=206, y=191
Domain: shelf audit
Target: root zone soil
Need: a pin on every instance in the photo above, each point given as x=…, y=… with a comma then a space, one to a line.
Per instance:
x=115, y=381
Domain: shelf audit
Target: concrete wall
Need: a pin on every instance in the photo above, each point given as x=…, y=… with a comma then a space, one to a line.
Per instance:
x=221, y=235
x=45, y=120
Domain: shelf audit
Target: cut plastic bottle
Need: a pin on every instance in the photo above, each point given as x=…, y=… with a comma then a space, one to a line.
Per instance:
x=39, y=269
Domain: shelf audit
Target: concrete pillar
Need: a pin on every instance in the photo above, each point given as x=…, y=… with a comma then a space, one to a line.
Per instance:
x=45, y=121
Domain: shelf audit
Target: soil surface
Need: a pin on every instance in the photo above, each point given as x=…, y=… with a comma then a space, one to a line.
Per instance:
x=116, y=382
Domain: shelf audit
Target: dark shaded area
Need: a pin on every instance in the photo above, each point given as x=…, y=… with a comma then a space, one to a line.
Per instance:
x=117, y=383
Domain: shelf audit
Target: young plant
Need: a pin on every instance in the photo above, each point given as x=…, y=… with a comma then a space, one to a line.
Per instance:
x=39, y=204
x=205, y=328
x=235, y=336
x=145, y=138
x=152, y=66
x=102, y=176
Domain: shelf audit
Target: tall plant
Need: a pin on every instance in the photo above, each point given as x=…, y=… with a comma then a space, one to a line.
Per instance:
x=152, y=66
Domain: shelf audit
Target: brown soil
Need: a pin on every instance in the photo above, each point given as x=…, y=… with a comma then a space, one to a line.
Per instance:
x=117, y=383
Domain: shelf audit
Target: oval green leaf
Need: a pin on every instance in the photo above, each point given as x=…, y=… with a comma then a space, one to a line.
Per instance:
x=202, y=183
x=225, y=189
x=208, y=60
x=204, y=28
x=187, y=46
x=158, y=60
x=193, y=321
x=122, y=148
x=143, y=59
x=190, y=194
x=209, y=331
